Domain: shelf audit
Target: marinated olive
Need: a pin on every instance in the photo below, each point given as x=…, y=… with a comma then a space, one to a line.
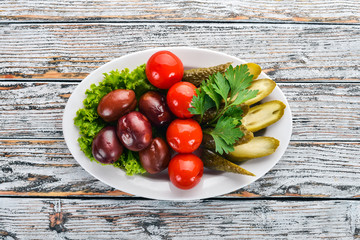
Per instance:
x=156, y=156
x=106, y=147
x=153, y=106
x=134, y=131
x=116, y=104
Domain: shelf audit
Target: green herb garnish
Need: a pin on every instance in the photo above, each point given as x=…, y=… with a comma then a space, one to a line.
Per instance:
x=130, y=162
x=225, y=93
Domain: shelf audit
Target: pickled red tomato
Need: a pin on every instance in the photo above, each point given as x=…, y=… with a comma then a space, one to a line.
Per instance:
x=185, y=170
x=164, y=69
x=179, y=99
x=184, y=135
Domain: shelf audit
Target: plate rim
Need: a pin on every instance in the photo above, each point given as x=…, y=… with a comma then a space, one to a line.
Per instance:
x=93, y=73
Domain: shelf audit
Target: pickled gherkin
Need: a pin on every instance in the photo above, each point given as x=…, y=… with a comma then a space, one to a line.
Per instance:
x=211, y=113
x=254, y=69
x=214, y=161
x=264, y=86
x=248, y=135
x=209, y=142
x=263, y=115
x=197, y=75
x=257, y=147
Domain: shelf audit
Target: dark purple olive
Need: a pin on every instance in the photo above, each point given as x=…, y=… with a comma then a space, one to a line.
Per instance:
x=153, y=106
x=134, y=131
x=115, y=104
x=106, y=147
x=156, y=156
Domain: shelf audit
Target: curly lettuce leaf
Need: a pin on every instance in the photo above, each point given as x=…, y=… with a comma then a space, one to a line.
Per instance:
x=89, y=122
x=129, y=161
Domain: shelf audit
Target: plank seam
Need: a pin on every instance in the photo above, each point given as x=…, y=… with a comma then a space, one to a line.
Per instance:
x=280, y=199
x=45, y=22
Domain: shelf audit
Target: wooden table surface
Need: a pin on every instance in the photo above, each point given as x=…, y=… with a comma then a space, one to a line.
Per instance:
x=311, y=48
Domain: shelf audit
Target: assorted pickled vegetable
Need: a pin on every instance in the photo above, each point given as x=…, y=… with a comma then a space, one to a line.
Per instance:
x=197, y=75
x=138, y=120
x=263, y=115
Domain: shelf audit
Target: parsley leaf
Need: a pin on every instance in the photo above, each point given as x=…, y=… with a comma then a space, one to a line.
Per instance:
x=234, y=111
x=200, y=103
x=221, y=86
x=225, y=92
x=225, y=134
x=239, y=78
x=211, y=92
x=197, y=103
x=208, y=103
x=244, y=95
x=204, y=99
x=221, y=146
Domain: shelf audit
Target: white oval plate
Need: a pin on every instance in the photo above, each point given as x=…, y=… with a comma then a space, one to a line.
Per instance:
x=158, y=186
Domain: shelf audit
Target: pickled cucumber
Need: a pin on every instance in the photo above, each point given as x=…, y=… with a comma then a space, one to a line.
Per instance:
x=248, y=135
x=214, y=161
x=257, y=147
x=209, y=143
x=211, y=113
x=197, y=75
x=265, y=87
x=263, y=115
x=254, y=69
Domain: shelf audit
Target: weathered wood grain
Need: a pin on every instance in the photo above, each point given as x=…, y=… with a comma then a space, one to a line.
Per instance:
x=114, y=219
x=308, y=169
x=321, y=161
x=320, y=111
x=21, y=104
x=249, y=10
x=296, y=52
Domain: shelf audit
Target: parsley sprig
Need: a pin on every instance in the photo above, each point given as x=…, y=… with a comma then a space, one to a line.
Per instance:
x=225, y=93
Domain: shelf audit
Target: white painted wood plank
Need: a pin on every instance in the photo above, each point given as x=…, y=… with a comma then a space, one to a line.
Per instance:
x=114, y=219
x=333, y=11
x=308, y=169
x=295, y=52
x=320, y=111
